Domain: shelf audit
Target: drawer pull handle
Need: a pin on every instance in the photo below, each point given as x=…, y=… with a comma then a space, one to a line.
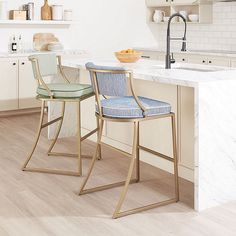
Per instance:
x=183, y=59
x=146, y=57
x=22, y=63
x=203, y=61
x=14, y=64
x=210, y=62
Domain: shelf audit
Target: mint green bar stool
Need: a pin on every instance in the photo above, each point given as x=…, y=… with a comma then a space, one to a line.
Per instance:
x=45, y=65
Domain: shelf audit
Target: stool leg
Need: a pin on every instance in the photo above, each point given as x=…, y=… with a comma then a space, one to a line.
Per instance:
x=138, y=156
x=130, y=172
x=79, y=138
x=58, y=129
x=99, y=145
x=94, y=157
x=175, y=155
x=38, y=135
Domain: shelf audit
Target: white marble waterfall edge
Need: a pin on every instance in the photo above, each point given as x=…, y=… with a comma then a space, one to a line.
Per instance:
x=215, y=125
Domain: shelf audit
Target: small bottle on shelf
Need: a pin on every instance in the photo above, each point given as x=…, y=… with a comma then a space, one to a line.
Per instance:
x=19, y=45
x=14, y=45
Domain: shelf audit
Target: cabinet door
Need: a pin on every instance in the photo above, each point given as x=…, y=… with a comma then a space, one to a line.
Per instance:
x=181, y=58
x=186, y=126
x=155, y=3
x=183, y=2
x=233, y=64
x=8, y=85
x=218, y=61
x=195, y=59
x=27, y=86
x=149, y=55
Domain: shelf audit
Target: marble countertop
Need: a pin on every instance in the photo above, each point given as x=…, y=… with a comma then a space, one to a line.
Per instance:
x=28, y=53
x=190, y=75
x=220, y=53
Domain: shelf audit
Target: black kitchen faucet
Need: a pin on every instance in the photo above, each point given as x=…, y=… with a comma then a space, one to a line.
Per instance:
x=169, y=58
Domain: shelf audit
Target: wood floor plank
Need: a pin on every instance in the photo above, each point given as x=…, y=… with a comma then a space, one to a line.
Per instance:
x=37, y=204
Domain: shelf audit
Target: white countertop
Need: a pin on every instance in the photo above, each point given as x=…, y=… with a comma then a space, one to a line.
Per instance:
x=153, y=70
x=220, y=53
x=73, y=52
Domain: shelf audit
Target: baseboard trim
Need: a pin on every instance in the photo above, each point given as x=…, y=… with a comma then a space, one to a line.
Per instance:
x=19, y=112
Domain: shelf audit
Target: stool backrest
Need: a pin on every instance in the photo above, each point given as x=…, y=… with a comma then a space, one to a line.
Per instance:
x=44, y=65
x=111, y=81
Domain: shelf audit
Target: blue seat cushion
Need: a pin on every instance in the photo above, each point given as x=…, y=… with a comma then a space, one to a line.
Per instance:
x=126, y=107
x=62, y=90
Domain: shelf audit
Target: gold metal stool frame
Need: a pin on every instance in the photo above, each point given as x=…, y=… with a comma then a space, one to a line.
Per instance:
x=60, y=120
x=135, y=155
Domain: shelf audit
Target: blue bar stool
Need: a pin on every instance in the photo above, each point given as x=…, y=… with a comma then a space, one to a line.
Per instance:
x=50, y=65
x=113, y=104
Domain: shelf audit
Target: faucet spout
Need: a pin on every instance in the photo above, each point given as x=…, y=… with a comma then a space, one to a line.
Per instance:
x=170, y=60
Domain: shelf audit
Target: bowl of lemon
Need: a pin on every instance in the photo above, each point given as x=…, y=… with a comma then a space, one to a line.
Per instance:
x=128, y=56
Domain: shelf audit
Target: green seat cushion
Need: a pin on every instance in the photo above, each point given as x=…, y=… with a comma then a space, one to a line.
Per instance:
x=65, y=90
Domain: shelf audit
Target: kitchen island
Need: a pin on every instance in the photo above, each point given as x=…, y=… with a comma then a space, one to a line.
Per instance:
x=203, y=98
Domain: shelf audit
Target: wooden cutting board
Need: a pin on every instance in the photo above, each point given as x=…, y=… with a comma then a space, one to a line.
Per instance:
x=41, y=41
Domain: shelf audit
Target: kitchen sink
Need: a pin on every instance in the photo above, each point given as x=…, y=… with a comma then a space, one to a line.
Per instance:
x=191, y=68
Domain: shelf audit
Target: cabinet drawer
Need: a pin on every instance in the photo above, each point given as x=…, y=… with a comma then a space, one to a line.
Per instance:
x=179, y=58
x=197, y=59
x=218, y=61
x=149, y=55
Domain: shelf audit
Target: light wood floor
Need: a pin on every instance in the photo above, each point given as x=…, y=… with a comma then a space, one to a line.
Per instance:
x=34, y=204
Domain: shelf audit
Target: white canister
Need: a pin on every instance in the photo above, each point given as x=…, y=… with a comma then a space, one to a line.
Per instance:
x=158, y=16
x=3, y=10
x=57, y=12
x=68, y=15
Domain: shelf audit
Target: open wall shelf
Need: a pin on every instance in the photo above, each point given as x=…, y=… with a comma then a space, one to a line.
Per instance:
x=36, y=22
x=203, y=9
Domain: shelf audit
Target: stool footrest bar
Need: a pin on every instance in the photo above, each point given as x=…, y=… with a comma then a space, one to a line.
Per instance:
x=156, y=153
x=144, y=208
x=116, y=149
x=49, y=171
x=89, y=134
x=104, y=187
x=51, y=122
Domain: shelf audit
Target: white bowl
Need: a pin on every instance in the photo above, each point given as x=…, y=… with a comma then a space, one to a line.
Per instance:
x=193, y=17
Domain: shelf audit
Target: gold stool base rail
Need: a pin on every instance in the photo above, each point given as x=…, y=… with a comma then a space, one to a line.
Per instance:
x=104, y=187
x=50, y=171
x=58, y=154
x=144, y=208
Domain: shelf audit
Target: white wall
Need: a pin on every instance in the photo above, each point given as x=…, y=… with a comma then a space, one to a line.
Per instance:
x=221, y=35
x=104, y=26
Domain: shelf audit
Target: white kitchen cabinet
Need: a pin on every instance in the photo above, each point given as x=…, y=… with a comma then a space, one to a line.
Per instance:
x=233, y=63
x=149, y=55
x=154, y=3
x=27, y=86
x=183, y=2
x=209, y=60
x=186, y=126
x=88, y=119
x=8, y=84
x=181, y=58
x=218, y=61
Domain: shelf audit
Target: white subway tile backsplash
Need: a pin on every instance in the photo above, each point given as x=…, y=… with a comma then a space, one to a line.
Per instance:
x=221, y=34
